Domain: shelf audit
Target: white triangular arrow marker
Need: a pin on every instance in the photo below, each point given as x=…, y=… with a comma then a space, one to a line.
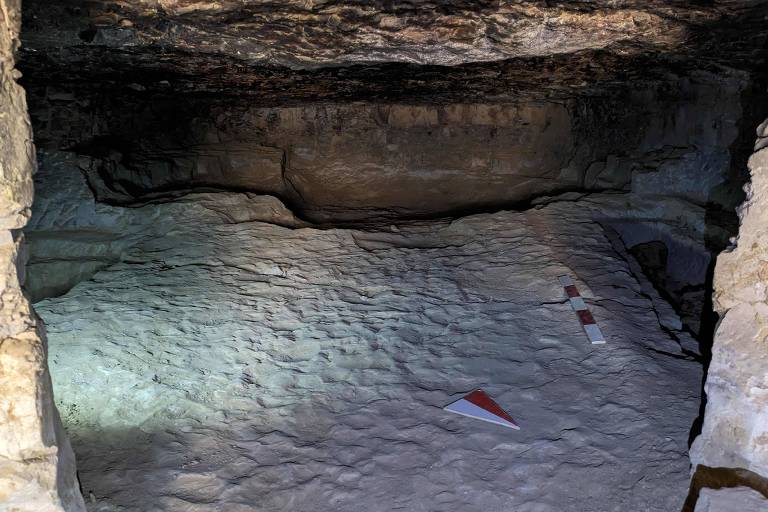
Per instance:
x=480, y=406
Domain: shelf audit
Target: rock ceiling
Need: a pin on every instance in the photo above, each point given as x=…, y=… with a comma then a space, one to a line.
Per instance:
x=328, y=50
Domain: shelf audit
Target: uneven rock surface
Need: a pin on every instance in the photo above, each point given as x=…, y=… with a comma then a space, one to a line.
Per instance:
x=736, y=422
x=356, y=48
x=37, y=471
x=71, y=235
x=241, y=364
x=320, y=33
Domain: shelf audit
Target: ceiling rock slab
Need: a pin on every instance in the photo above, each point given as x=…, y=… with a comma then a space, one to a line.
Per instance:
x=329, y=49
x=308, y=33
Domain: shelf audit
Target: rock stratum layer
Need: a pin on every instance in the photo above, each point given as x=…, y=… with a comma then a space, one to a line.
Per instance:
x=37, y=471
x=353, y=161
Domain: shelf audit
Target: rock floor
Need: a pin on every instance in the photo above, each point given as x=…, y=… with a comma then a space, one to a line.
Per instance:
x=240, y=366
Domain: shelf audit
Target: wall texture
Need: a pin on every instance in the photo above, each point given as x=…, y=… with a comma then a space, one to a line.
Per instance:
x=357, y=160
x=735, y=431
x=37, y=468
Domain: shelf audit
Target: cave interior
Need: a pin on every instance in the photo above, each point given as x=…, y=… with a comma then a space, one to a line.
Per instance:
x=270, y=241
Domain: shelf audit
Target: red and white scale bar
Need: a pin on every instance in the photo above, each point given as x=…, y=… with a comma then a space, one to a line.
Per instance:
x=594, y=333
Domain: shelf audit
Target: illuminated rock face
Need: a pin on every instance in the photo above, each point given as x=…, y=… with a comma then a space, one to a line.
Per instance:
x=37, y=471
x=736, y=421
x=71, y=236
x=224, y=362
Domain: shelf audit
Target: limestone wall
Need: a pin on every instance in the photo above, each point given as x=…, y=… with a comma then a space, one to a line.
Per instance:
x=735, y=431
x=37, y=469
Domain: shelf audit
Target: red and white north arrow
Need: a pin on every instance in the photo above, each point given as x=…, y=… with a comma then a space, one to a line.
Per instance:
x=480, y=406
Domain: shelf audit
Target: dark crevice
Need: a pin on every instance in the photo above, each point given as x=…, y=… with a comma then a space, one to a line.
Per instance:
x=705, y=477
